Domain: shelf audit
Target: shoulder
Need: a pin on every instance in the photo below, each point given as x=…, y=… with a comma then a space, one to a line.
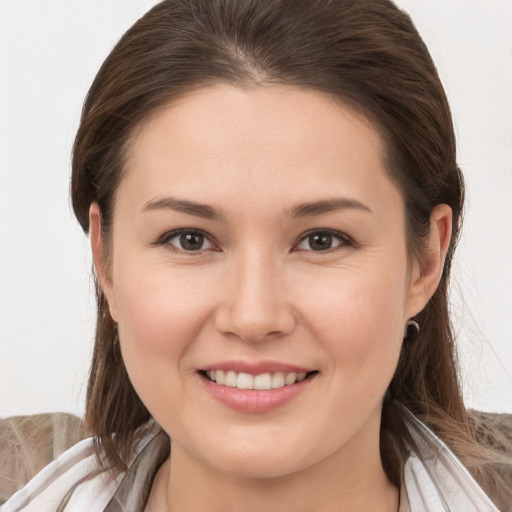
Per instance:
x=50, y=487
x=493, y=429
x=434, y=477
x=493, y=432
x=29, y=443
x=76, y=481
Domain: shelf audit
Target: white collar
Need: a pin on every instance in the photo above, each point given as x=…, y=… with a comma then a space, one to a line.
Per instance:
x=434, y=479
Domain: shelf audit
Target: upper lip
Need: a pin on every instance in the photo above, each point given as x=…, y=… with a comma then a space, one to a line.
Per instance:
x=256, y=367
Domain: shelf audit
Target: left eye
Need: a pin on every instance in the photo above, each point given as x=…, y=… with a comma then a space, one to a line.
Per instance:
x=321, y=241
x=189, y=241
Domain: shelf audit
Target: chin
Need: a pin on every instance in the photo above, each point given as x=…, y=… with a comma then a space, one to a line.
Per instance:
x=255, y=461
x=256, y=469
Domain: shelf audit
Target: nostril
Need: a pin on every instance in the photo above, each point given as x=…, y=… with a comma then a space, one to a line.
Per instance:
x=254, y=320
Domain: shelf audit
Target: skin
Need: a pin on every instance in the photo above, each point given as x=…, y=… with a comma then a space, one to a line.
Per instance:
x=257, y=291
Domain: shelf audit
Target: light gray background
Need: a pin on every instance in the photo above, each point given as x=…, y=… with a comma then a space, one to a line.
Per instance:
x=50, y=51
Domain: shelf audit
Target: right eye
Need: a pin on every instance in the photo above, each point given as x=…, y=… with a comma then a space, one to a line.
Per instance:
x=187, y=240
x=324, y=240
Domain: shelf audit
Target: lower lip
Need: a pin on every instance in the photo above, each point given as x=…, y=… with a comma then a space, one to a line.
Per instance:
x=251, y=400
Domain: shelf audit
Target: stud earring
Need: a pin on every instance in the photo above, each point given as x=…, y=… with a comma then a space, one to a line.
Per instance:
x=412, y=330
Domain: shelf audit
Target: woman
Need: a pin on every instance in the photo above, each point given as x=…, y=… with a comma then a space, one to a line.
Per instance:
x=273, y=202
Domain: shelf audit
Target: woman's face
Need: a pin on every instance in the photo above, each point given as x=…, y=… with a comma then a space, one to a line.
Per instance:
x=256, y=233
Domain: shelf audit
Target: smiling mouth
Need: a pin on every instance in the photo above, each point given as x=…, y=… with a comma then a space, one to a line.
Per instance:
x=261, y=382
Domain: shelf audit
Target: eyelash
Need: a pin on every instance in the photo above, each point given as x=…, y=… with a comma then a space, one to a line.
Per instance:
x=343, y=240
x=165, y=240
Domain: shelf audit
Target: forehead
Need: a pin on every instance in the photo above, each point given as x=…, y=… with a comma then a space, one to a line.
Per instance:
x=267, y=142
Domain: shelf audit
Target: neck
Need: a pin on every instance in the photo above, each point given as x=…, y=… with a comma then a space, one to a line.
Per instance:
x=351, y=479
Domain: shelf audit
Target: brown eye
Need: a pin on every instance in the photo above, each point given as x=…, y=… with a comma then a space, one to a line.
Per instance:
x=322, y=241
x=191, y=241
x=188, y=241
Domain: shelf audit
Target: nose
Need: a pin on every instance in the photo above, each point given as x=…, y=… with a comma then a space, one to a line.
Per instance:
x=255, y=306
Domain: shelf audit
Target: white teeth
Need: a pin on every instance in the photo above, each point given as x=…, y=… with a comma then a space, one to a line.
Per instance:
x=263, y=381
x=259, y=382
x=278, y=380
x=231, y=379
x=245, y=381
x=220, y=377
x=290, y=379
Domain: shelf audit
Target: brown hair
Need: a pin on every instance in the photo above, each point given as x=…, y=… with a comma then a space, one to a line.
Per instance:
x=368, y=54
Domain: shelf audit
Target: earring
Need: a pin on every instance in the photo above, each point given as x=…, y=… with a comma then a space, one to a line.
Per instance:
x=412, y=330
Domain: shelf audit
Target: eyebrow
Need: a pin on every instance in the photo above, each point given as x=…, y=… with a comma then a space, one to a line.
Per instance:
x=327, y=206
x=209, y=212
x=180, y=205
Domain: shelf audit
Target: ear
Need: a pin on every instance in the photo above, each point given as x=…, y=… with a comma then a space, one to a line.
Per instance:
x=103, y=272
x=427, y=270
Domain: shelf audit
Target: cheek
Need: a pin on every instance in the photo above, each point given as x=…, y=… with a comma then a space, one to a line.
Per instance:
x=157, y=305
x=160, y=316
x=359, y=317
